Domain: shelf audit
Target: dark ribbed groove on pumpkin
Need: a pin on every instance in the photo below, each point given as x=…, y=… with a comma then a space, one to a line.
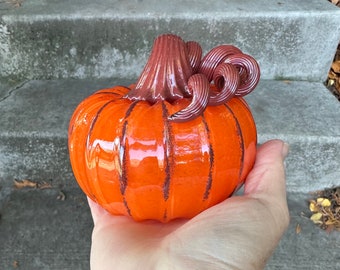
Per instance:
x=211, y=162
x=93, y=123
x=126, y=206
x=122, y=160
x=167, y=151
x=123, y=155
x=240, y=135
x=165, y=215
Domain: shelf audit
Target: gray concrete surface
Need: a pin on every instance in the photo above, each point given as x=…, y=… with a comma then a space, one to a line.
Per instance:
x=103, y=39
x=33, y=133
x=81, y=45
x=38, y=231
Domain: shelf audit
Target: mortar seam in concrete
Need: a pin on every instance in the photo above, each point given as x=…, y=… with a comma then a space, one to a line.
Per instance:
x=261, y=137
x=5, y=193
x=32, y=135
x=14, y=89
x=213, y=15
x=292, y=138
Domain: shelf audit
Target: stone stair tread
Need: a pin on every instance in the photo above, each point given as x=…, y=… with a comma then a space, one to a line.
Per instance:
x=103, y=8
x=40, y=232
x=33, y=133
x=103, y=39
x=55, y=53
x=33, y=144
x=288, y=109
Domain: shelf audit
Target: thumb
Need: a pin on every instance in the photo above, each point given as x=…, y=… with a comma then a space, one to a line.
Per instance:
x=97, y=211
x=267, y=178
x=267, y=183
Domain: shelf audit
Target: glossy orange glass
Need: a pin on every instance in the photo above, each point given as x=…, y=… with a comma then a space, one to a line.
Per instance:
x=128, y=157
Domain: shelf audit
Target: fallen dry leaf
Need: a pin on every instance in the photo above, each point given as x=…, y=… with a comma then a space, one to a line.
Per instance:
x=316, y=217
x=298, y=229
x=335, y=2
x=15, y=264
x=333, y=80
x=326, y=209
x=24, y=183
x=61, y=196
x=12, y=3
x=43, y=185
x=313, y=206
x=323, y=202
x=336, y=67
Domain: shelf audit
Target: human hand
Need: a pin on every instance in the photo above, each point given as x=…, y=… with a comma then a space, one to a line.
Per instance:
x=238, y=233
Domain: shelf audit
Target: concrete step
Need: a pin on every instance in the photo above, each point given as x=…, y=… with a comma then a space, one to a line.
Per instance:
x=72, y=48
x=33, y=133
x=106, y=39
x=38, y=231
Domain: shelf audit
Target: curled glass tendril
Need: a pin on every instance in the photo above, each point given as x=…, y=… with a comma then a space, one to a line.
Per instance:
x=175, y=70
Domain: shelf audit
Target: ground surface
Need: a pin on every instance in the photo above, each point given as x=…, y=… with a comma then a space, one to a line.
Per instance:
x=47, y=224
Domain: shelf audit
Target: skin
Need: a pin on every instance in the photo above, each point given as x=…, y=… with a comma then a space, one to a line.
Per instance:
x=238, y=233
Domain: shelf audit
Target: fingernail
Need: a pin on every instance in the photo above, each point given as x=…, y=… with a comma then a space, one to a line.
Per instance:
x=285, y=150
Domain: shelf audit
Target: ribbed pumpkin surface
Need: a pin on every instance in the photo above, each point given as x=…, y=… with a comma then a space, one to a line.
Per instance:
x=128, y=157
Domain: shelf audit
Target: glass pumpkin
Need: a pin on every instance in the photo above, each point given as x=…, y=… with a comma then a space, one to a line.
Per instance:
x=177, y=142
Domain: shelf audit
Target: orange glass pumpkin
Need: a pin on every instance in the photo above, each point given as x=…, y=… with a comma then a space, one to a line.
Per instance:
x=177, y=142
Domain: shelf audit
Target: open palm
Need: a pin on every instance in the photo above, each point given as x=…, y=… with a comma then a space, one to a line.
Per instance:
x=238, y=233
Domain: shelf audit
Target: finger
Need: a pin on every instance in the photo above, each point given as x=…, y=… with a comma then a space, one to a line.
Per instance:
x=96, y=210
x=266, y=183
x=267, y=178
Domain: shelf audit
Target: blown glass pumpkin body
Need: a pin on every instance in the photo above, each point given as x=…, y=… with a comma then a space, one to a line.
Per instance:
x=132, y=160
x=158, y=150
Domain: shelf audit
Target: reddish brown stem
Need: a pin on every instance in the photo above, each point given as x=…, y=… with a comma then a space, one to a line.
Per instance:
x=201, y=88
x=175, y=71
x=166, y=74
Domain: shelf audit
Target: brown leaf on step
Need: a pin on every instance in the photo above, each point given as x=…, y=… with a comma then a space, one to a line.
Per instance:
x=19, y=184
x=43, y=185
x=325, y=209
x=336, y=2
x=332, y=75
x=333, y=79
x=336, y=67
x=61, y=196
x=298, y=229
x=26, y=183
x=12, y=3
x=15, y=264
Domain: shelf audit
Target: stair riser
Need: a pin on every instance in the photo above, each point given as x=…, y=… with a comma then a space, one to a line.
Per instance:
x=38, y=159
x=68, y=47
x=310, y=166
